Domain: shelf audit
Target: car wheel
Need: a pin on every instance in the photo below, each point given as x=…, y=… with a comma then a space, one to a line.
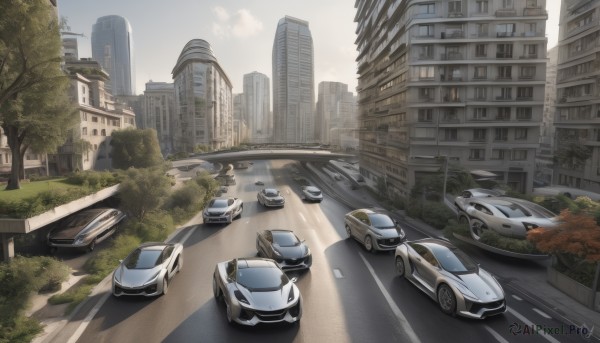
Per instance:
x=165, y=285
x=92, y=245
x=241, y=210
x=446, y=299
x=477, y=228
x=400, y=266
x=348, y=232
x=179, y=263
x=463, y=220
x=369, y=244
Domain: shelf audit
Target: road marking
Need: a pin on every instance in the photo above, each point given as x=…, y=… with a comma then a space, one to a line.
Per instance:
x=337, y=273
x=496, y=335
x=187, y=235
x=529, y=323
x=517, y=297
x=541, y=313
x=302, y=217
x=397, y=312
x=88, y=319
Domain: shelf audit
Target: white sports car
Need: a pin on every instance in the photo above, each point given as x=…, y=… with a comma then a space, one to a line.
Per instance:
x=223, y=210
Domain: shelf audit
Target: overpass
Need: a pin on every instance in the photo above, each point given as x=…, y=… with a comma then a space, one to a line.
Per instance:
x=313, y=155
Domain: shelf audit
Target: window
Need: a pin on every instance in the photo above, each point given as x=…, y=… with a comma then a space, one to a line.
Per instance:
x=84, y=131
x=82, y=89
x=482, y=29
x=451, y=134
x=519, y=155
x=505, y=72
x=426, y=30
x=94, y=132
x=454, y=6
x=103, y=132
x=527, y=72
x=425, y=115
x=481, y=6
x=479, y=135
x=505, y=30
x=530, y=51
x=505, y=93
x=531, y=3
x=521, y=133
x=524, y=93
x=480, y=113
x=425, y=132
x=524, y=113
x=83, y=116
x=480, y=72
x=426, y=72
x=498, y=154
x=426, y=52
x=504, y=51
x=501, y=134
x=427, y=9
x=94, y=119
x=530, y=29
x=507, y=3
x=450, y=115
x=503, y=113
x=480, y=50
x=477, y=154
x=480, y=93
x=426, y=93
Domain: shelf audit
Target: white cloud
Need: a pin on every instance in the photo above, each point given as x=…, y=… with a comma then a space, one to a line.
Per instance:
x=241, y=24
x=221, y=13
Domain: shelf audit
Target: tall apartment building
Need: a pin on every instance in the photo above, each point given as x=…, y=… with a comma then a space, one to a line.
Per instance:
x=159, y=113
x=203, y=100
x=293, y=82
x=257, y=107
x=112, y=46
x=335, y=110
x=457, y=82
x=577, y=144
x=544, y=165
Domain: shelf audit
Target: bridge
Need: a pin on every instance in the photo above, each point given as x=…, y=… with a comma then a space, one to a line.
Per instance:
x=314, y=155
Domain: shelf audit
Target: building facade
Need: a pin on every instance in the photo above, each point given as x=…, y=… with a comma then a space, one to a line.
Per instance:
x=293, y=82
x=240, y=127
x=457, y=83
x=159, y=112
x=577, y=124
x=335, y=110
x=203, y=100
x=257, y=107
x=112, y=46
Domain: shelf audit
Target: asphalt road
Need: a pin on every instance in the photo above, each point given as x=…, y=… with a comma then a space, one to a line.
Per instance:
x=349, y=294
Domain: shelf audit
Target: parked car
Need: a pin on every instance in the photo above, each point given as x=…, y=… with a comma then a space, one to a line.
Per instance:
x=285, y=248
x=222, y=210
x=312, y=193
x=148, y=270
x=468, y=194
x=374, y=229
x=85, y=229
x=255, y=290
x=270, y=197
x=450, y=278
x=507, y=216
x=259, y=183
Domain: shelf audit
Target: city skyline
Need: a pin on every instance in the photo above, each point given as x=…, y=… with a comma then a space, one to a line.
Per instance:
x=233, y=30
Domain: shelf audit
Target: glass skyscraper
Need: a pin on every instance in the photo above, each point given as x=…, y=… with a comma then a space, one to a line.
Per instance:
x=112, y=46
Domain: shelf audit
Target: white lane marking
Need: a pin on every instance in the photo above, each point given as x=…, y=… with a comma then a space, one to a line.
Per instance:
x=187, y=235
x=338, y=274
x=529, y=323
x=88, y=319
x=517, y=297
x=496, y=335
x=302, y=217
x=541, y=313
x=397, y=312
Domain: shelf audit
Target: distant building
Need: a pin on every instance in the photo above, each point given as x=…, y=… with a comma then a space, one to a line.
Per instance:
x=335, y=110
x=112, y=46
x=544, y=160
x=159, y=113
x=293, y=83
x=240, y=127
x=203, y=100
x=257, y=105
x=70, y=49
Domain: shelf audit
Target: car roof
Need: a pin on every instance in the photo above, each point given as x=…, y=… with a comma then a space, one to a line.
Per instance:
x=506, y=201
x=270, y=189
x=154, y=246
x=484, y=191
x=434, y=242
x=255, y=262
x=279, y=230
x=312, y=188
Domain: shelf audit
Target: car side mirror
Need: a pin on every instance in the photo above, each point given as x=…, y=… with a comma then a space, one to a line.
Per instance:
x=294, y=279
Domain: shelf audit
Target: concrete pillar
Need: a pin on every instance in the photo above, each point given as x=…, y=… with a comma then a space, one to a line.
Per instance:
x=8, y=246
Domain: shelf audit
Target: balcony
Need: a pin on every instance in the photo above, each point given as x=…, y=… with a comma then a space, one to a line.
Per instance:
x=505, y=34
x=535, y=12
x=449, y=98
x=506, y=12
x=455, y=15
x=450, y=78
x=528, y=56
x=503, y=98
x=504, y=55
x=425, y=57
x=451, y=56
x=452, y=34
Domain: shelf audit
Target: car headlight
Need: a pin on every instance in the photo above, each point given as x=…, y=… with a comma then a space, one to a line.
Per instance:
x=307, y=252
x=80, y=238
x=240, y=297
x=153, y=279
x=529, y=226
x=116, y=276
x=228, y=213
x=402, y=233
x=205, y=212
x=291, y=295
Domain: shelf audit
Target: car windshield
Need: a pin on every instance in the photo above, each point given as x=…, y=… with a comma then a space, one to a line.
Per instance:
x=271, y=192
x=381, y=221
x=285, y=239
x=143, y=259
x=79, y=219
x=513, y=211
x=313, y=191
x=218, y=203
x=261, y=279
x=453, y=260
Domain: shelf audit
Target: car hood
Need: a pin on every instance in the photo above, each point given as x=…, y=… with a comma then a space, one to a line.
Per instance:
x=277, y=197
x=269, y=300
x=217, y=210
x=389, y=232
x=135, y=277
x=482, y=285
x=297, y=251
x=66, y=232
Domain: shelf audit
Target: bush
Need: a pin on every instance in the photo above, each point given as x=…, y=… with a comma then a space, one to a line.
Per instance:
x=103, y=263
x=94, y=179
x=155, y=227
x=583, y=272
x=187, y=197
x=436, y=214
x=73, y=295
x=454, y=227
x=40, y=203
x=517, y=245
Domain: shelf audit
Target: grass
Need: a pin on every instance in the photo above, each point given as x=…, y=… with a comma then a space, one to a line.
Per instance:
x=73, y=296
x=31, y=189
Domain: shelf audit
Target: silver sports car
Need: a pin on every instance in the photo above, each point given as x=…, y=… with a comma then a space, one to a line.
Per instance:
x=148, y=269
x=223, y=210
x=312, y=193
x=255, y=290
x=451, y=278
x=375, y=230
x=270, y=197
x=285, y=248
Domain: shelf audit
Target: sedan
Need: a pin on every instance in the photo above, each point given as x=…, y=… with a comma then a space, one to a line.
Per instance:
x=270, y=197
x=506, y=216
x=223, y=210
x=148, y=270
x=375, y=230
x=256, y=290
x=450, y=278
x=312, y=193
x=285, y=248
x=85, y=228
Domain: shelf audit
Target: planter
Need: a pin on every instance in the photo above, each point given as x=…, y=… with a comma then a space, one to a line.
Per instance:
x=574, y=289
x=499, y=251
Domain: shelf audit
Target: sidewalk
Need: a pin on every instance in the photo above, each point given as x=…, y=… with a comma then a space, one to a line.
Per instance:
x=537, y=291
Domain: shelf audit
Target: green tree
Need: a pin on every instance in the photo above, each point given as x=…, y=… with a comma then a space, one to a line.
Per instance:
x=143, y=190
x=135, y=148
x=32, y=85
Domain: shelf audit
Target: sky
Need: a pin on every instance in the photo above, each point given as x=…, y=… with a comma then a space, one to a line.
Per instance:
x=240, y=32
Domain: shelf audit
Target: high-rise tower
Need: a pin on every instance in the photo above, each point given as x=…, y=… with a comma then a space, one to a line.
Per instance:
x=257, y=103
x=112, y=46
x=293, y=82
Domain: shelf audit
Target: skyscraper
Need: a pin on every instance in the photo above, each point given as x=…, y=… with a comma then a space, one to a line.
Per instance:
x=112, y=46
x=257, y=102
x=293, y=82
x=335, y=109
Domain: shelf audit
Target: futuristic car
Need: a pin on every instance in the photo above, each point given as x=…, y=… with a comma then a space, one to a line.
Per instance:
x=507, y=216
x=468, y=194
x=85, y=229
x=285, y=248
x=223, y=210
x=270, y=197
x=312, y=193
x=148, y=269
x=375, y=230
x=450, y=278
x=255, y=290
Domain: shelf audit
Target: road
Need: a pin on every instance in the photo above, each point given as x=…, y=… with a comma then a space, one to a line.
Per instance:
x=349, y=294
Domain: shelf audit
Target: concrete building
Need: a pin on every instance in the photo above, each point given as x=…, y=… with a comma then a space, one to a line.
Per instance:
x=70, y=49
x=293, y=82
x=112, y=46
x=257, y=107
x=544, y=161
x=203, y=100
x=159, y=113
x=458, y=83
x=335, y=110
x=577, y=144
x=240, y=127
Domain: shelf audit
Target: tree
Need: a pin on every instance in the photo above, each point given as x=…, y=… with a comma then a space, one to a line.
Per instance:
x=135, y=148
x=572, y=155
x=143, y=190
x=30, y=75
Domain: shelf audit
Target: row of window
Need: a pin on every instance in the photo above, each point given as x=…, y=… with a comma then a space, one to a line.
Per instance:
x=479, y=135
x=455, y=73
x=478, y=113
x=481, y=6
x=103, y=120
x=480, y=93
x=84, y=131
x=503, y=51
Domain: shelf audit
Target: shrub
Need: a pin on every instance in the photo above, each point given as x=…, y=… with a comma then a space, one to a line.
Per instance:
x=436, y=214
x=454, y=227
x=187, y=197
x=93, y=179
x=517, y=245
x=103, y=263
x=155, y=227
